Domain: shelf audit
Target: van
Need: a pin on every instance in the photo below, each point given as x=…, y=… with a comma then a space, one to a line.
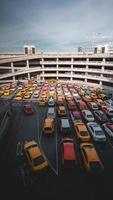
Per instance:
x=65, y=126
x=49, y=126
x=51, y=112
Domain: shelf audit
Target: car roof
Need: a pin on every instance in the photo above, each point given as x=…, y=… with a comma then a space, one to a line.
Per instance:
x=69, y=152
x=48, y=122
x=87, y=111
x=75, y=113
x=34, y=152
x=110, y=125
x=91, y=152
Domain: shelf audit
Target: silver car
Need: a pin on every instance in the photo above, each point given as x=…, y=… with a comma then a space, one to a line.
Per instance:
x=96, y=132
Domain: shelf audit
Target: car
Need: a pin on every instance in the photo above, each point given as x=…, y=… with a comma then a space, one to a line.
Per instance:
x=49, y=126
x=92, y=106
x=102, y=96
x=87, y=115
x=77, y=99
x=68, y=153
x=36, y=94
x=27, y=95
x=65, y=125
x=108, y=127
x=75, y=116
x=71, y=105
x=41, y=102
x=87, y=98
x=51, y=112
x=35, y=157
x=93, y=96
x=82, y=105
x=51, y=101
x=91, y=160
x=108, y=111
x=100, y=116
x=99, y=102
x=96, y=131
x=109, y=103
x=69, y=97
x=81, y=131
x=28, y=109
x=61, y=111
x=18, y=96
x=59, y=101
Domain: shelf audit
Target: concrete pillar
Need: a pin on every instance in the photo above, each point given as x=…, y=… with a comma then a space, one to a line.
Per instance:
x=27, y=64
x=13, y=78
x=28, y=76
x=12, y=67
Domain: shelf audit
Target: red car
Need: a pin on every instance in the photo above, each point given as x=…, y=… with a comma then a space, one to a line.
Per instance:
x=82, y=105
x=28, y=109
x=108, y=111
x=71, y=105
x=69, y=156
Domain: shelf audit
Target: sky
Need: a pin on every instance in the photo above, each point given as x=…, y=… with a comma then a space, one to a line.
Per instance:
x=61, y=25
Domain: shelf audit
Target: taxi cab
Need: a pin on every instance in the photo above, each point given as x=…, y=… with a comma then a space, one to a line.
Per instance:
x=49, y=126
x=18, y=96
x=90, y=157
x=35, y=157
x=42, y=102
x=81, y=131
x=61, y=111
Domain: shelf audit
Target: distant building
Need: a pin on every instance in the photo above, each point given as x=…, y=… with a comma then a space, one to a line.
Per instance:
x=29, y=49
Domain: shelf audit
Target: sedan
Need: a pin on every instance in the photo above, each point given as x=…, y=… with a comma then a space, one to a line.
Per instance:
x=87, y=115
x=69, y=156
x=96, y=132
x=36, y=158
x=108, y=127
x=100, y=116
x=28, y=109
x=90, y=157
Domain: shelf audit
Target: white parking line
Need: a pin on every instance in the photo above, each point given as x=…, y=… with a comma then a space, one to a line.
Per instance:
x=56, y=147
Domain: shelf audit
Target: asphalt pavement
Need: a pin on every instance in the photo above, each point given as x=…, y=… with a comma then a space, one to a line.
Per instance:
x=56, y=182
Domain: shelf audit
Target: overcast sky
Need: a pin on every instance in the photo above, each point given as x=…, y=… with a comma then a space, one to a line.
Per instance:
x=54, y=25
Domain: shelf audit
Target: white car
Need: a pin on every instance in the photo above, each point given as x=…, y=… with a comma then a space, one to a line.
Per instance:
x=109, y=128
x=51, y=102
x=96, y=132
x=87, y=115
x=109, y=103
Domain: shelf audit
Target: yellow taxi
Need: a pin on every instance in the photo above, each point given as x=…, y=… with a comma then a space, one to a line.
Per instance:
x=81, y=131
x=69, y=97
x=87, y=98
x=99, y=102
x=35, y=157
x=90, y=157
x=93, y=96
x=49, y=126
x=41, y=102
x=27, y=95
x=1, y=92
x=61, y=111
x=18, y=96
x=6, y=92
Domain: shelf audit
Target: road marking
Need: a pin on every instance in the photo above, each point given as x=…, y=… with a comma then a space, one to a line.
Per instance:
x=56, y=146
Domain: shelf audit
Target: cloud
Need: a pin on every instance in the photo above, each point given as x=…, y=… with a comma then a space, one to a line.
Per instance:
x=55, y=24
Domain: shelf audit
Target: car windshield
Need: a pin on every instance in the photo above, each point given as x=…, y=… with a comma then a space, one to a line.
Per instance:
x=39, y=160
x=77, y=117
x=99, y=132
x=95, y=166
x=84, y=133
x=89, y=116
